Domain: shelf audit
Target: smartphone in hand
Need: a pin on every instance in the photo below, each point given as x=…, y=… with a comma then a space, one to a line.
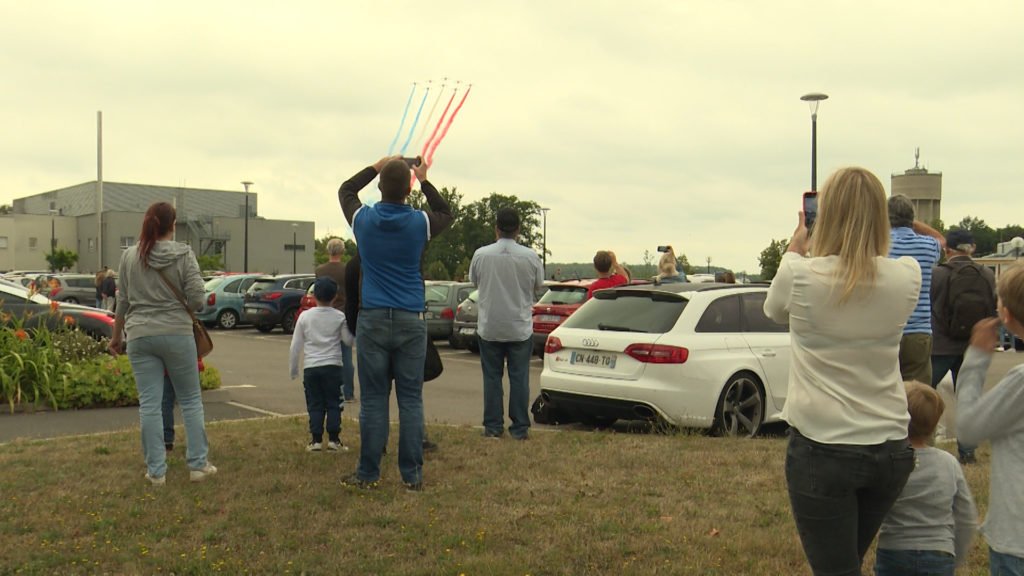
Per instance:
x=810, y=208
x=412, y=162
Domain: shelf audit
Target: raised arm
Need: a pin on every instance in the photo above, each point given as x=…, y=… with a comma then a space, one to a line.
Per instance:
x=440, y=214
x=926, y=230
x=996, y=413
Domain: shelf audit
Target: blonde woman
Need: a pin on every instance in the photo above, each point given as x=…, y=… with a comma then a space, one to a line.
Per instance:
x=846, y=305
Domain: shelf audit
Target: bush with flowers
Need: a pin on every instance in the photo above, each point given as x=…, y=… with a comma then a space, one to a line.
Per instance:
x=65, y=368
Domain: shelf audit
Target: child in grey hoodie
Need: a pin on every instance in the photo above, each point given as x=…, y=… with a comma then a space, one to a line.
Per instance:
x=996, y=416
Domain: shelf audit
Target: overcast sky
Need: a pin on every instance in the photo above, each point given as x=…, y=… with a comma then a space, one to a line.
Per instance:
x=638, y=124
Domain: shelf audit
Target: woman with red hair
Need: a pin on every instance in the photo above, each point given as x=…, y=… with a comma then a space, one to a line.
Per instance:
x=159, y=338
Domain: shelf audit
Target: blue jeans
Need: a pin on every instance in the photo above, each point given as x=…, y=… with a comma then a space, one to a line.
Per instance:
x=942, y=363
x=348, y=373
x=150, y=357
x=493, y=357
x=391, y=344
x=840, y=493
x=914, y=563
x=167, y=409
x=1000, y=564
x=323, y=399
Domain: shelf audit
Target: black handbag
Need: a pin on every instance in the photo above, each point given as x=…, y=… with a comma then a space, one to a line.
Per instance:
x=432, y=365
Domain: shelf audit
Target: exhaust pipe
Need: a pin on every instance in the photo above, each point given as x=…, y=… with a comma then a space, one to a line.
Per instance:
x=644, y=412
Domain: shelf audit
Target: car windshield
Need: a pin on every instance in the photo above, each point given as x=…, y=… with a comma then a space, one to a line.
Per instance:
x=647, y=311
x=564, y=295
x=213, y=283
x=7, y=289
x=437, y=293
x=261, y=285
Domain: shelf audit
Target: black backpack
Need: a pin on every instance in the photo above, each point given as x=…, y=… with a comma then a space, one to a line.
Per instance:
x=969, y=299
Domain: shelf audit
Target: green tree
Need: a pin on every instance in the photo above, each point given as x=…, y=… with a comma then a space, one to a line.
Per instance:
x=771, y=258
x=985, y=238
x=436, y=271
x=5, y=209
x=60, y=259
x=320, y=246
x=210, y=262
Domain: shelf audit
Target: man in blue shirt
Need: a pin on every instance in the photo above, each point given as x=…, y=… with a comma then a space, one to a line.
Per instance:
x=925, y=244
x=507, y=276
x=391, y=341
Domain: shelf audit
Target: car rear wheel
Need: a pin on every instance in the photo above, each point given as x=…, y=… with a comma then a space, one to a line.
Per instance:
x=227, y=319
x=740, y=410
x=288, y=320
x=264, y=327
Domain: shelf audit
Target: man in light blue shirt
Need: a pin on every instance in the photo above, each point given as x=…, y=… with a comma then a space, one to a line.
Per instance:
x=923, y=243
x=507, y=275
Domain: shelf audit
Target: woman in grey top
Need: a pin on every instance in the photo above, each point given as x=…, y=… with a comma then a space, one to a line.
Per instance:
x=159, y=334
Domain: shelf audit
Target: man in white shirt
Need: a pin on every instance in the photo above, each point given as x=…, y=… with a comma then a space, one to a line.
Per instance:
x=507, y=275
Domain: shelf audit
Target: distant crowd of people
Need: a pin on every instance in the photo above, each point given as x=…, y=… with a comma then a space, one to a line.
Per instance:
x=877, y=318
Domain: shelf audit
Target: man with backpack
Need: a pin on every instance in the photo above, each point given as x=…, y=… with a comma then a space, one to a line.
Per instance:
x=963, y=292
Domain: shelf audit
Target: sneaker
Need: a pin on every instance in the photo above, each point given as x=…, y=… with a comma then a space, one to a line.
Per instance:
x=413, y=486
x=429, y=446
x=336, y=447
x=202, y=473
x=354, y=481
x=314, y=447
x=156, y=481
x=491, y=435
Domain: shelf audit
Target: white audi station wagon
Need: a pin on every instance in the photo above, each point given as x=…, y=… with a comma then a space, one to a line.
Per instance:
x=690, y=355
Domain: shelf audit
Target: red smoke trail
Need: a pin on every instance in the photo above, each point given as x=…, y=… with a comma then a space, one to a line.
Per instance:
x=440, y=121
x=429, y=158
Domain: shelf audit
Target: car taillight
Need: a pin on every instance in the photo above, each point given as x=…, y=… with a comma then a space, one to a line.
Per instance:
x=458, y=310
x=447, y=314
x=658, y=353
x=211, y=300
x=552, y=345
x=271, y=295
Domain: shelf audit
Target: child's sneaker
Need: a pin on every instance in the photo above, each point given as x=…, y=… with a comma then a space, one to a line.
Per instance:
x=314, y=447
x=156, y=481
x=202, y=473
x=333, y=446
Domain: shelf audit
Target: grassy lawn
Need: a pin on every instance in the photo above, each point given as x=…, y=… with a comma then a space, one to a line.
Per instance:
x=568, y=502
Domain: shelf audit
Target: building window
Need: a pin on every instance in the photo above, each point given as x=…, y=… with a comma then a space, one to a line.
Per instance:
x=127, y=241
x=3, y=242
x=33, y=243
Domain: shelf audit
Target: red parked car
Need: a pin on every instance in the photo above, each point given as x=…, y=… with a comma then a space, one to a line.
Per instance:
x=557, y=304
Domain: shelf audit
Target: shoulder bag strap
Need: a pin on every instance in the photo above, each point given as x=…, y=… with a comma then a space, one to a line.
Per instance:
x=178, y=295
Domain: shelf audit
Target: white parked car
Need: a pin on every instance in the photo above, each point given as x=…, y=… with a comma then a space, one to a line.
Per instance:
x=691, y=355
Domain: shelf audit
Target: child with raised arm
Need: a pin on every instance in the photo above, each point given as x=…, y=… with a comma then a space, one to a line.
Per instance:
x=996, y=416
x=317, y=336
x=930, y=527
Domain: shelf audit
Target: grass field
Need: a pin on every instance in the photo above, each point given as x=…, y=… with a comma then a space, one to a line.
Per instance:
x=566, y=502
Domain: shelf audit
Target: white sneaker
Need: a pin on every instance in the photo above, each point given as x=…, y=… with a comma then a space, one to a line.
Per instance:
x=314, y=447
x=202, y=473
x=156, y=481
x=336, y=447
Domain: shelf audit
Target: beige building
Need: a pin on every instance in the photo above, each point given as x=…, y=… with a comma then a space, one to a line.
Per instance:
x=923, y=188
x=211, y=221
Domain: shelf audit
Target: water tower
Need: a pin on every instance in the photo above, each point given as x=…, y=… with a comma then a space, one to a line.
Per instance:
x=924, y=189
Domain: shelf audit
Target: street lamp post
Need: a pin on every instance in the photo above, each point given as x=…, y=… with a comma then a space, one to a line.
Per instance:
x=53, y=241
x=245, y=235
x=709, y=264
x=295, y=246
x=544, y=240
x=813, y=99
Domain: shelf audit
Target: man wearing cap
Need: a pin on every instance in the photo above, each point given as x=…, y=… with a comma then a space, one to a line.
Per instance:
x=507, y=275
x=391, y=341
x=923, y=243
x=948, y=351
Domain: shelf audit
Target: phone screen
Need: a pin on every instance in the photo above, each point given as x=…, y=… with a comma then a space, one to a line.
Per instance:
x=810, y=208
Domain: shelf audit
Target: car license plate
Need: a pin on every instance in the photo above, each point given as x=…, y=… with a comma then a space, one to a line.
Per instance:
x=467, y=331
x=549, y=318
x=595, y=359
x=251, y=310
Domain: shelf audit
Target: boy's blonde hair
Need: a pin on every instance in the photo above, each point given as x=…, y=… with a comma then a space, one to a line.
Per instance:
x=1011, y=291
x=925, y=407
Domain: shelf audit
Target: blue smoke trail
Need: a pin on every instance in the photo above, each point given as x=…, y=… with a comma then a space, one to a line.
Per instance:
x=402, y=123
x=415, y=121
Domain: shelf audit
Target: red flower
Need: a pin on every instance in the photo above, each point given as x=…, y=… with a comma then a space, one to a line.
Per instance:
x=21, y=334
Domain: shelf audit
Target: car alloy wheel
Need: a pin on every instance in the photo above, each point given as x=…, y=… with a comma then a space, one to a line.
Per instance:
x=227, y=319
x=740, y=409
x=288, y=320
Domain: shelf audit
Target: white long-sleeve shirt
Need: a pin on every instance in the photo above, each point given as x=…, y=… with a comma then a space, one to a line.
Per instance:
x=996, y=416
x=318, y=335
x=844, y=376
